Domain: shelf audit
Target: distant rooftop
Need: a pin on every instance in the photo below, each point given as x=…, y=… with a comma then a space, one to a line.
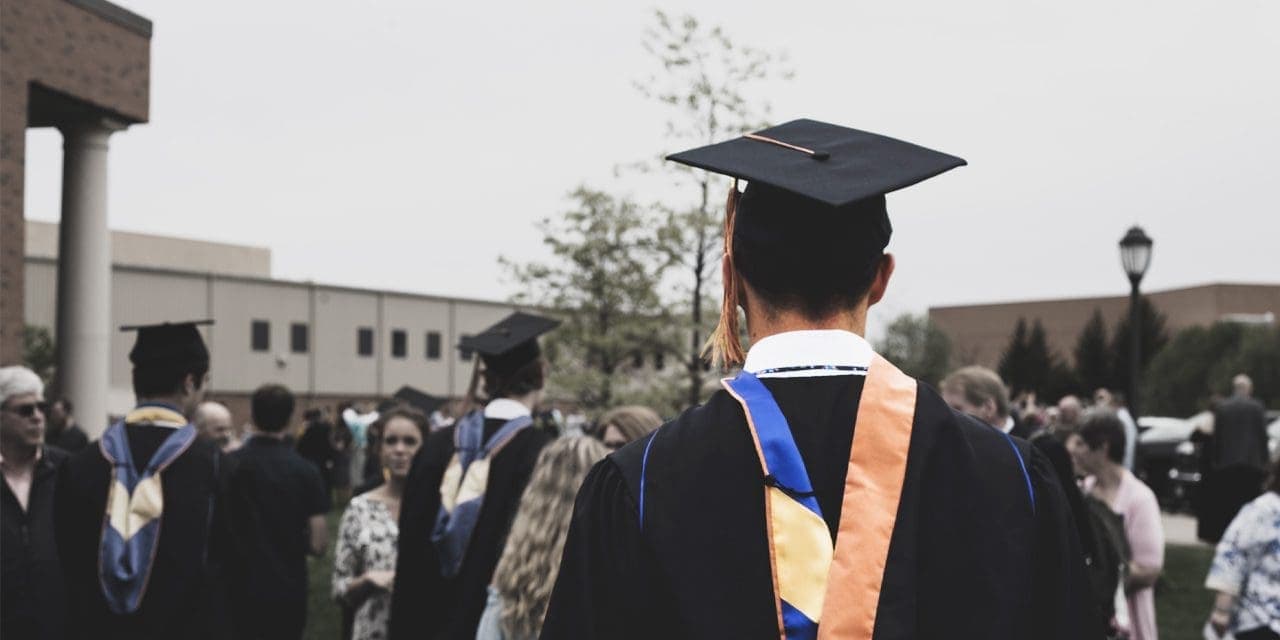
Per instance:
x=162, y=252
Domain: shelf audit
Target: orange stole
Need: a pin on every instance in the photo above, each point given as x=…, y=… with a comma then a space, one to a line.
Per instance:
x=872, y=491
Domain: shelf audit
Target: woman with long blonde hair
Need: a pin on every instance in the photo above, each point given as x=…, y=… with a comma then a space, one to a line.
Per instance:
x=527, y=571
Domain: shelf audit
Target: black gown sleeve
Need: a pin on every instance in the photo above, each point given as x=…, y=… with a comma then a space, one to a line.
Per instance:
x=1062, y=598
x=605, y=587
x=417, y=567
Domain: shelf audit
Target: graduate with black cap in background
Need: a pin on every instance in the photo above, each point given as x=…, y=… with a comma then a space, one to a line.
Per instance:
x=465, y=487
x=137, y=518
x=822, y=493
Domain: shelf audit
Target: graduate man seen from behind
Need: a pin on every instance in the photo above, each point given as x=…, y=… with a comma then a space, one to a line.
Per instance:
x=465, y=487
x=822, y=493
x=136, y=510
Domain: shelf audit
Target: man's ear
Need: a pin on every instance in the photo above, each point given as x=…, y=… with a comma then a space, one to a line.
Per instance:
x=881, y=281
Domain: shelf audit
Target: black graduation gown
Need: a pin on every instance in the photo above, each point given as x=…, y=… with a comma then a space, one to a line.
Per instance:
x=424, y=604
x=184, y=596
x=967, y=559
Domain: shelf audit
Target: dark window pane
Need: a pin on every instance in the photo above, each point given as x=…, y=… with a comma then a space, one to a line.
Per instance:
x=364, y=341
x=637, y=359
x=298, y=338
x=433, y=345
x=399, y=343
x=260, y=335
x=463, y=352
x=659, y=360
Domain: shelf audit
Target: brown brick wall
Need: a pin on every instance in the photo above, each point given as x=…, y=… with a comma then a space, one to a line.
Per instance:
x=980, y=333
x=97, y=58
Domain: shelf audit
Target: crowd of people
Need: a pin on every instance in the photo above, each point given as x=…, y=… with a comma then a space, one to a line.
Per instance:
x=820, y=493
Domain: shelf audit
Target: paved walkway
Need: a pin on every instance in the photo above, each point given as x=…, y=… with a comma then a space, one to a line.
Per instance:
x=1180, y=528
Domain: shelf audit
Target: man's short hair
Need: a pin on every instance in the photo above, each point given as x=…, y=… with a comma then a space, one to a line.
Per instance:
x=65, y=403
x=17, y=381
x=978, y=385
x=272, y=406
x=151, y=381
x=799, y=254
x=1103, y=427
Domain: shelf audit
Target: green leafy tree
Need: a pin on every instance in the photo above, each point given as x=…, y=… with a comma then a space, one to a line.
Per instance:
x=1154, y=336
x=1039, y=362
x=1013, y=362
x=917, y=346
x=1258, y=356
x=701, y=78
x=38, y=351
x=602, y=281
x=1093, y=354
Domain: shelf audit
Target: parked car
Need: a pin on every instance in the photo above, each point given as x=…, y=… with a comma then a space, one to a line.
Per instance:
x=1184, y=468
x=1157, y=457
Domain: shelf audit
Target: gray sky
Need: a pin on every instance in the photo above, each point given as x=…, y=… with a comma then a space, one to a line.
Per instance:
x=406, y=145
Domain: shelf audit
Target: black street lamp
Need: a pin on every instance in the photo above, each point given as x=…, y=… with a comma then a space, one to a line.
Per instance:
x=1135, y=255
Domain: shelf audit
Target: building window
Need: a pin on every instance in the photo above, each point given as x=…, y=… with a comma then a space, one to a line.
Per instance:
x=659, y=360
x=637, y=359
x=399, y=343
x=260, y=335
x=433, y=345
x=463, y=352
x=298, y=337
x=364, y=341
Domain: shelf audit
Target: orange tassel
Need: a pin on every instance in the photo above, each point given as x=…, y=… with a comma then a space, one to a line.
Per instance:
x=724, y=347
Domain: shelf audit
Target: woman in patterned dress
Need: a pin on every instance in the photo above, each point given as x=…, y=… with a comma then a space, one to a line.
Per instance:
x=365, y=559
x=1246, y=569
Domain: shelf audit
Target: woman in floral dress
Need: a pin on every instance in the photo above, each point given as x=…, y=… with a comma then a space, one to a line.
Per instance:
x=365, y=559
x=1246, y=569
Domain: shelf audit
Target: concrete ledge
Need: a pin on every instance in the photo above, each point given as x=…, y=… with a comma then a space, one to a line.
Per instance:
x=117, y=14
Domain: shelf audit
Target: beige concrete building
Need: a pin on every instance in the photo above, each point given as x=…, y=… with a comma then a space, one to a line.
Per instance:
x=327, y=343
x=979, y=333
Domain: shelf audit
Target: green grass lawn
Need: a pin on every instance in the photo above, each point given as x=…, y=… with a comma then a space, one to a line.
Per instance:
x=324, y=619
x=1182, y=603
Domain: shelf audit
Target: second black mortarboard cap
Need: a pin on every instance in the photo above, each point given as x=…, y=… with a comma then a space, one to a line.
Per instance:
x=512, y=342
x=169, y=344
x=418, y=399
x=829, y=163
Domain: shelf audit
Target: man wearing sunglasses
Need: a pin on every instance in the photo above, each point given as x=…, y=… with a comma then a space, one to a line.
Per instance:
x=32, y=591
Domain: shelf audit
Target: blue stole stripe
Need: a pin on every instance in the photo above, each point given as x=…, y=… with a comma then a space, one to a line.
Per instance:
x=453, y=529
x=1031, y=493
x=796, y=625
x=776, y=442
x=125, y=564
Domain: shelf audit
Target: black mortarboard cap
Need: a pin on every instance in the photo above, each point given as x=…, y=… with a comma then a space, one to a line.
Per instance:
x=828, y=163
x=418, y=399
x=814, y=204
x=169, y=344
x=511, y=343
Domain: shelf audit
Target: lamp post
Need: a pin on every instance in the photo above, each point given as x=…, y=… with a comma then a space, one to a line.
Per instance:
x=1135, y=256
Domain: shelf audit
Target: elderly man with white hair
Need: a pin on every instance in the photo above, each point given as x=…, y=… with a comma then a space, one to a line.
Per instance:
x=31, y=591
x=213, y=423
x=1237, y=452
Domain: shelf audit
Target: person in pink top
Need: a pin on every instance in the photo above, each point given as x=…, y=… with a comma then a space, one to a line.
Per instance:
x=1097, y=449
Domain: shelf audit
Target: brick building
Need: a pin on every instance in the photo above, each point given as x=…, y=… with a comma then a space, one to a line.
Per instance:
x=83, y=67
x=979, y=333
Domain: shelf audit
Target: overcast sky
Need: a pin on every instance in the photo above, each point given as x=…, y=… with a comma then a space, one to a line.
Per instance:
x=406, y=145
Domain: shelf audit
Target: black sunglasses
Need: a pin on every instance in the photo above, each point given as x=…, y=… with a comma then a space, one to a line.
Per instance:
x=29, y=410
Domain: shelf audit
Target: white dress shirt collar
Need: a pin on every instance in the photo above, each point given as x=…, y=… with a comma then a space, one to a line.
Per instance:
x=773, y=356
x=505, y=409
x=1008, y=424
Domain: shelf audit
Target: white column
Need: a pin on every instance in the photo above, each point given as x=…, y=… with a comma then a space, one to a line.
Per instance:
x=84, y=274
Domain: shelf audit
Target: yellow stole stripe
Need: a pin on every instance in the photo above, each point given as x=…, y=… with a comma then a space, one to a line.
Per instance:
x=872, y=491
x=159, y=416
